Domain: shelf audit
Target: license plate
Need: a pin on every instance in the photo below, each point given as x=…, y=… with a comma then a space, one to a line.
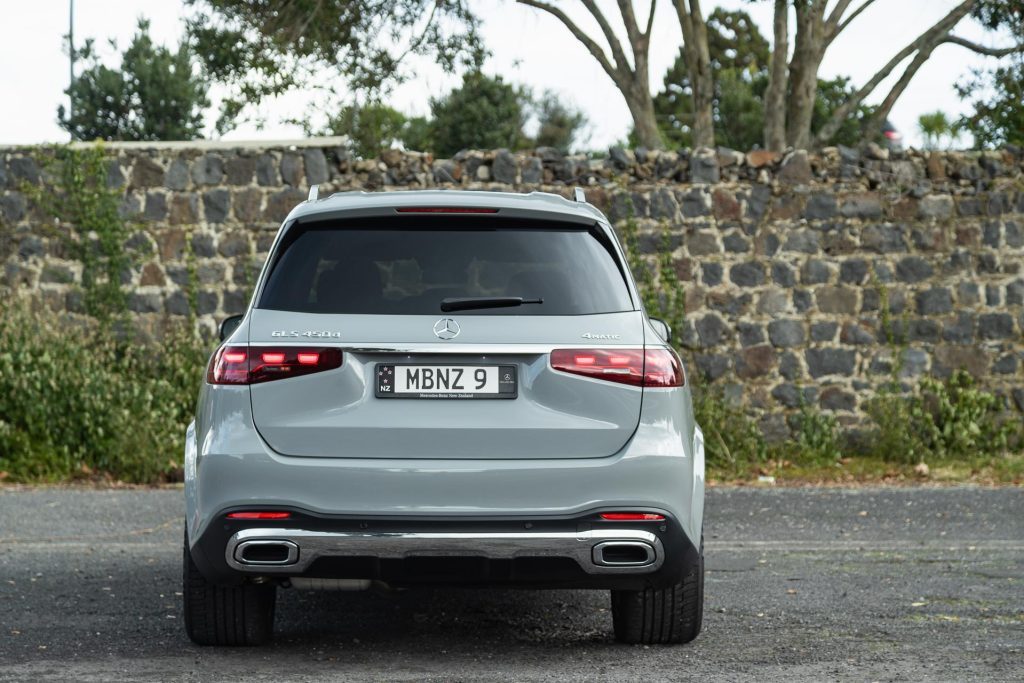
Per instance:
x=446, y=381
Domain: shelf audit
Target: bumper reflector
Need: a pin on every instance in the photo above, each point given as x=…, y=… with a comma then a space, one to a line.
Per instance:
x=632, y=517
x=259, y=515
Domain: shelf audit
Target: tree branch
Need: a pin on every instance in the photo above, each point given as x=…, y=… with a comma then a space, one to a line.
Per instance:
x=874, y=122
x=629, y=19
x=840, y=26
x=650, y=20
x=929, y=38
x=836, y=15
x=613, y=41
x=596, y=50
x=983, y=50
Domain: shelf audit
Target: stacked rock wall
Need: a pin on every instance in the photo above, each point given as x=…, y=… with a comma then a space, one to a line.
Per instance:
x=808, y=277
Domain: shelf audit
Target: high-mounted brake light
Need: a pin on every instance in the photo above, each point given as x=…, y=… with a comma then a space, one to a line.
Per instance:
x=653, y=368
x=252, y=365
x=632, y=517
x=259, y=515
x=445, y=209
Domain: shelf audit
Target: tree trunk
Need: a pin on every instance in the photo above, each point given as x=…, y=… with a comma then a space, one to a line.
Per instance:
x=803, y=73
x=698, y=67
x=645, y=124
x=631, y=80
x=775, y=96
x=703, y=99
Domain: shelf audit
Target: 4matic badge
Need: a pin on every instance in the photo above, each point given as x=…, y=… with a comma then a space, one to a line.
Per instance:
x=314, y=334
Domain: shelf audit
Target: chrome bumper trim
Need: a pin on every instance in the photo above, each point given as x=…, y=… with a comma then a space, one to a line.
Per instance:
x=577, y=545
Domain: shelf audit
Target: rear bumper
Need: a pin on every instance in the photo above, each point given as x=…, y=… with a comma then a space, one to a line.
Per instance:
x=229, y=467
x=583, y=551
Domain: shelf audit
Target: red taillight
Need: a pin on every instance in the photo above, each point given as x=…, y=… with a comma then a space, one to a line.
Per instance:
x=632, y=517
x=663, y=369
x=892, y=135
x=259, y=515
x=444, y=209
x=245, y=365
x=636, y=367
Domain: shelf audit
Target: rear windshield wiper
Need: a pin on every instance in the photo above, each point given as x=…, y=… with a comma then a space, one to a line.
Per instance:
x=470, y=302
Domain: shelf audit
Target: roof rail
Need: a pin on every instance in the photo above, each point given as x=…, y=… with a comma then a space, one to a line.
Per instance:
x=314, y=193
x=578, y=195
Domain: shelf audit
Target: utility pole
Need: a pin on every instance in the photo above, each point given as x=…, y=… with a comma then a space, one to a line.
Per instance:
x=71, y=55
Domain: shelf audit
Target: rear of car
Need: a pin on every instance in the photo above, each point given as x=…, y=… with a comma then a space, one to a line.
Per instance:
x=437, y=387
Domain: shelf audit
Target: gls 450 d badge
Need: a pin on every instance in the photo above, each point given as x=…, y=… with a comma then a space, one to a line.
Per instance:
x=313, y=334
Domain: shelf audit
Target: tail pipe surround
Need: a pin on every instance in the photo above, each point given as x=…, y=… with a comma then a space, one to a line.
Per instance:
x=597, y=551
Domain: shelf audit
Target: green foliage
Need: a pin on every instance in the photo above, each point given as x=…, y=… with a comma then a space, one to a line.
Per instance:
x=85, y=212
x=155, y=94
x=371, y=127
x=417, y=134
x=938, y=130
x=997, y=97
x=829, y=96
x=483, y=113
x=642, y=272
x=997, y=94
x=262, y=49
x=941, y=420
x=558, y=123
x=817, y=437
x=740, y=58
x=76, y=401
x=733, y=442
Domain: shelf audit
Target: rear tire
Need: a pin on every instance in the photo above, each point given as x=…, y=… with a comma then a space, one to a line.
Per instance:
x=659, y=616
x=226, y=615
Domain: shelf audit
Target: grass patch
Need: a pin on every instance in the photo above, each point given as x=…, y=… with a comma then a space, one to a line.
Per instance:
x=1007, y=469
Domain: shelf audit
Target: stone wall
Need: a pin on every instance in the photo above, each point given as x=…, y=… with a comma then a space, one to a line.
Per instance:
x=786, y=260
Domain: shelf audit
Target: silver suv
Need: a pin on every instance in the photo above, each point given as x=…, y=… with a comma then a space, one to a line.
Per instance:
x=444, y=387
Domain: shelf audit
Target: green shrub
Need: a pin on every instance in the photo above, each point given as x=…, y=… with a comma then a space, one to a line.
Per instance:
x=732, y=439
x=817, y=438
x=941, y=420
x=77, y=399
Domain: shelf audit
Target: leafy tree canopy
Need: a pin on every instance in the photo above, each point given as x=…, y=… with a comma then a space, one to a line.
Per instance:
x=997, y=94
x=558, y=125
x=370, y=127
x=482, y=113
x=263, y=48
x=156, y=94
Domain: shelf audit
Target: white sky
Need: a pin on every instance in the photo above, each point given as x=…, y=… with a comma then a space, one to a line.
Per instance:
x=528, y=47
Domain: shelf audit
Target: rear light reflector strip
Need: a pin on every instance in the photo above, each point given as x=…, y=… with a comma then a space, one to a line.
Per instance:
x=256, y=364
x=657, y=367
x=632, y=517
x=259, y=515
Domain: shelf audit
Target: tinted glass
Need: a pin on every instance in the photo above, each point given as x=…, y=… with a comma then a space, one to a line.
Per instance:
x=394, y=271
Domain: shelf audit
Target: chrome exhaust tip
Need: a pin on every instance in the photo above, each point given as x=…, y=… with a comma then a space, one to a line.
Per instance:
x=266, y=553
x=624, y=554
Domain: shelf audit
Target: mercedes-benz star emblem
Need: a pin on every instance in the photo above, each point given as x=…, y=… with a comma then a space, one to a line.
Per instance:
x=446, y=328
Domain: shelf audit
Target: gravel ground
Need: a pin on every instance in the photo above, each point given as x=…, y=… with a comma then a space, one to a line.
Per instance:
x=802, y=584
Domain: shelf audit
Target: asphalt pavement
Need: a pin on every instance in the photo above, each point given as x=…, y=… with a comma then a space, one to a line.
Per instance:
x=802, y=585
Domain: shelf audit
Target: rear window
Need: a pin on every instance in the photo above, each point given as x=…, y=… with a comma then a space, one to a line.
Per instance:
x=395, y=270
